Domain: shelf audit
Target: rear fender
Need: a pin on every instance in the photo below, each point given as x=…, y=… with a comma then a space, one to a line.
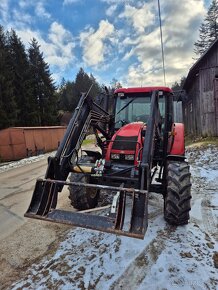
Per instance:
x=177, y=139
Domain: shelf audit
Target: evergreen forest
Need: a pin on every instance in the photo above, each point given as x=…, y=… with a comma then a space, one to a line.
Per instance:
x=28, y=95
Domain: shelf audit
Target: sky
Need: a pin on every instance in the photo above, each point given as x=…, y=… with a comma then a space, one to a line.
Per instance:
x=110, y=38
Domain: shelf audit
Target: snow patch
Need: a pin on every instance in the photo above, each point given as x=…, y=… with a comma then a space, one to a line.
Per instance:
x=22, y=162
x=167, y=258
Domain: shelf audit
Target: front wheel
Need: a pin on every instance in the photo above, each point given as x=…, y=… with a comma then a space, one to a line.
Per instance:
x=82, y=197
x=177, y=201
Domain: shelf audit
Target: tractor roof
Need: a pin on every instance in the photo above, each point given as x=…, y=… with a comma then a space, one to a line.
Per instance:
x=142, y=90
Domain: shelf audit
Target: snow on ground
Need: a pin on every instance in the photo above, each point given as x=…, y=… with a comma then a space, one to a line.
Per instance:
x=168, y=258
x=15, y=164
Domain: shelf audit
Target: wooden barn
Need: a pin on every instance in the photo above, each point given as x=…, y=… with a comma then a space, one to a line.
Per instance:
x=200, y=108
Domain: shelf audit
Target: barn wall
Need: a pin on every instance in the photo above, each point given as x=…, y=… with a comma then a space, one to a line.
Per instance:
x=207, y=102
x=216, y=103
x=191, y=110
x=200, y=110
x=178, y=115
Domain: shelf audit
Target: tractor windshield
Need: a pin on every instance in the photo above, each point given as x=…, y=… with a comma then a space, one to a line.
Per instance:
x=135, y=107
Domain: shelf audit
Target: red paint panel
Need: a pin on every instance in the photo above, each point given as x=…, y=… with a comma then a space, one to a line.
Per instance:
x=178, y=147
x=129, y=130
x=47, y=139
x=17, y=136
x=54, y=138
x=5, y=137
x=12, y=144
x=30, y=144
x=142, y=90
x=20, y=142
x=38, y=140
x=19, y=151
x=6, y=153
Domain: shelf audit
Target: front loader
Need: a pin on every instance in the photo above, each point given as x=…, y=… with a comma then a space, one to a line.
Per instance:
x=141, y=150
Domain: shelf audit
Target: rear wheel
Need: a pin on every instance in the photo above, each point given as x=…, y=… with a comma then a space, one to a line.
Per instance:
x=82, y=197
x=177, y=202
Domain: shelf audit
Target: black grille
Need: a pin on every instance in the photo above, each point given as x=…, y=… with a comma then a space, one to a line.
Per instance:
x=125, y=143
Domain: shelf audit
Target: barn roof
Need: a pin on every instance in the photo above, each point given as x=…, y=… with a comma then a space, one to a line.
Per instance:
x=196, y=67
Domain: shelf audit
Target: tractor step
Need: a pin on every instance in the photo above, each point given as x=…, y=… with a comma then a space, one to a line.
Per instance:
x=127, y=216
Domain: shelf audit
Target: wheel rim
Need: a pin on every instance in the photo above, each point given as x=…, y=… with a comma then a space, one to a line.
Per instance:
x=92, y=192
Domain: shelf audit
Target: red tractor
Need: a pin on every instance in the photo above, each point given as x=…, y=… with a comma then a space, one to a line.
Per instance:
x=141, y=150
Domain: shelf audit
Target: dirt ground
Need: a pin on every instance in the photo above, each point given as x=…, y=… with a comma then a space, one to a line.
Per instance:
x=23, y=241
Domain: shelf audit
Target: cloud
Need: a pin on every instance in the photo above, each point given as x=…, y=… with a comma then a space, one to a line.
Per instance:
x=111, y=10
x=132, y=39
x=58, y=34
x=21, y=19
x=181, y=22
x=139, y=18
x=121, y=1
x=57, y=49
x=4, y=7
x=41, y=12
x=60, y=48
x=24, y=4
x=67, y=2
x=128, y=54
x=94, y=43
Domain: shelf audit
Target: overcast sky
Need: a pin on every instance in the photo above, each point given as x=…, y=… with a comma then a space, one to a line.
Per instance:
x=109, y=38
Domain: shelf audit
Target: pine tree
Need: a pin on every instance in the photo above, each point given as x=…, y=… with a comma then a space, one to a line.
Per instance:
x=96, y=88
x=178, y=86
x=67, y=99
x=8, y=106
x=208, y=31
x=69, y=92
x=86, y=83
x=43, y=89
x=82, y=82
x=21, y=85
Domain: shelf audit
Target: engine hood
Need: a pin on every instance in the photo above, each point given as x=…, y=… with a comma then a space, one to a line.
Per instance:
x=127, y=140
x=129, y=130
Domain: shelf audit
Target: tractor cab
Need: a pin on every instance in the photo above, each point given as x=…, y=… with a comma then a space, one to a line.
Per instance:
x=134, y=105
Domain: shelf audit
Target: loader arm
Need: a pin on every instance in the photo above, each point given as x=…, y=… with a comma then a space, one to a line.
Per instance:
x=85, y=115
x=152, y=135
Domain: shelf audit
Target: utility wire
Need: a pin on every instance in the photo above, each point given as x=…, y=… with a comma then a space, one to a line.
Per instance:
x=161, y=39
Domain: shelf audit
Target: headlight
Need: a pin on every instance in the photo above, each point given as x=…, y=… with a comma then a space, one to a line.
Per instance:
x=129, y=157
x=115, y=156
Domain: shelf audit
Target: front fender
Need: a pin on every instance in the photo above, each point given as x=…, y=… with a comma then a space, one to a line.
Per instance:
x=178, y=139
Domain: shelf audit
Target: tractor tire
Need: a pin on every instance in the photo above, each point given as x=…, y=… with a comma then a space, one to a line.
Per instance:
x=82, y=197
x=177, y=201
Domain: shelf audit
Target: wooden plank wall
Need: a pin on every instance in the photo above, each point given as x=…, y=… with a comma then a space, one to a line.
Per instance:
x=191, y=110
x=216, y=103
x=207, y=104
x=200, y=111
x=178, y=115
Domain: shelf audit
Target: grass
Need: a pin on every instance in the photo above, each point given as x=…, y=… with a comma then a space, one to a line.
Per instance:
x=200, y=141
x=88, y=142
